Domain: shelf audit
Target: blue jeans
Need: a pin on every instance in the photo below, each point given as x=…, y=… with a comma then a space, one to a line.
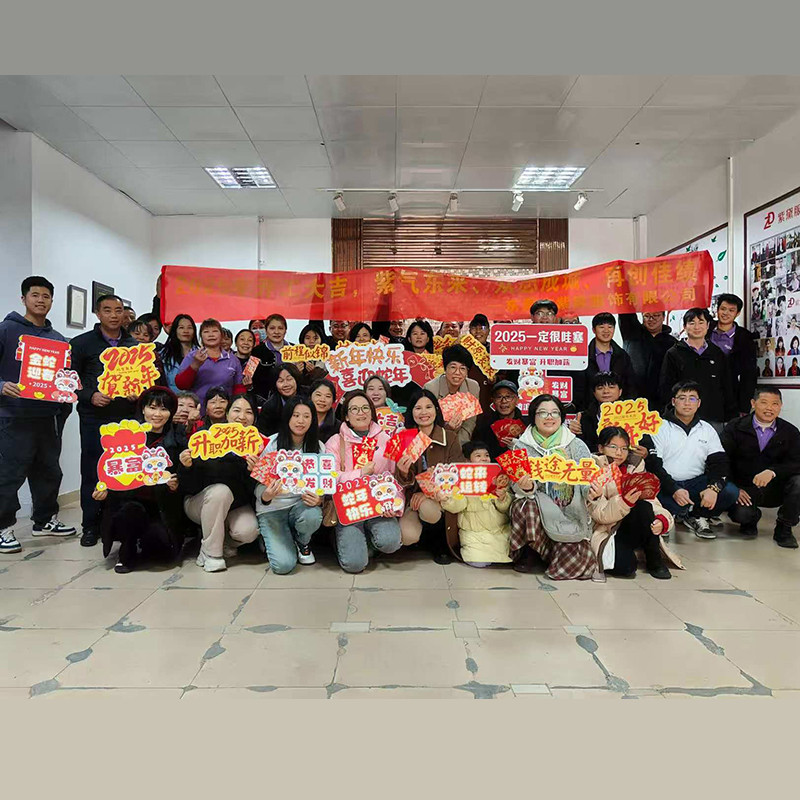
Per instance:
x=351, y=541
x=282, y=528
x=725, y=499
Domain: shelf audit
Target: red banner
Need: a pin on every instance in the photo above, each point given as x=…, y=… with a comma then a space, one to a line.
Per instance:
x=551, y=346
x=654, y=284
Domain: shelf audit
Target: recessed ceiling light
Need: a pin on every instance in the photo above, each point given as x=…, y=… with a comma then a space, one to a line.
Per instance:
x=548, y=178
x=242, y=177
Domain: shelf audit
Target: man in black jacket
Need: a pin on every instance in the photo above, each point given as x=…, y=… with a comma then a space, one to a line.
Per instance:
x=94, y=407
x=504, y=399
x=646, y=343
x=703, y=362
x=764, y=452
x=605, y=355
x=739, y=346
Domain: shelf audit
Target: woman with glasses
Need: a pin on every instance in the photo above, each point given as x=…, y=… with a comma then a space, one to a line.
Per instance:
x=551, y=519
x=625, y=522
x=353, y=542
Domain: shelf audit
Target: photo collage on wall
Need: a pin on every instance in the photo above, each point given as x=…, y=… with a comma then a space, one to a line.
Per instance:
x=773, y=288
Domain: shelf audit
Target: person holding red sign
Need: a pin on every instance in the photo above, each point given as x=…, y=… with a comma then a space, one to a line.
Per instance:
x=288, y=521
x=148, y=522
x=625, y=522
x=311, y=371
x=425, y=415
x=382, y=533
x=221, y=495
x=606, y=388
x=551, y=519
x=30, y=430
x=94, y=407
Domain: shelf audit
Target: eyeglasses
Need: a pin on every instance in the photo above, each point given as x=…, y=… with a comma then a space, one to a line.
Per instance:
x=358, y=410
x=544, y=315
x=616, y=448
x=548, y=414
x=684, y=399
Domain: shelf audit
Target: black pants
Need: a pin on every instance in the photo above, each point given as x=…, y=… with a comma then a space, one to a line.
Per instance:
x=91, y=450
x=780, y=493
x=29, y=448
x=142, y=537
x=635, y=533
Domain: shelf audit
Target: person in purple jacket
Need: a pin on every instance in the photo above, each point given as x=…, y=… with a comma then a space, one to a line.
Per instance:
x=210, y=365
x=30, y=430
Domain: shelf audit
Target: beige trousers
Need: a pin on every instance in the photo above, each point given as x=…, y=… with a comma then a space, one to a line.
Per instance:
x=411, y=521
x=211, y=508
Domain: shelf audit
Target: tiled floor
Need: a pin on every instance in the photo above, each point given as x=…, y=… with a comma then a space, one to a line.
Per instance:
x=404, y=629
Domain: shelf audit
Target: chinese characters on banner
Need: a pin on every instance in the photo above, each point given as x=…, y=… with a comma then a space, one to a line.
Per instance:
x=368, y=497
x=442, y=342
x=517, y=464
x=298, y=472
x=772, y=288
x=226, y=437
x=632, y=415
x=544, y=346
x=480, y=355
x=391, y=421
x=43, y=373
x=127, y=370
x=127, y=463
x=460, y=480
x=353, y=363
x=294, y=353
x=619, y=286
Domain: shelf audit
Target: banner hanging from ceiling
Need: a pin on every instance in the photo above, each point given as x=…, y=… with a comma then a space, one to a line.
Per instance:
x=655, y=284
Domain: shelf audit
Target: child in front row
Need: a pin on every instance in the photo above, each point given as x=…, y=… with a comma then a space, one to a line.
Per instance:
x=483, y=525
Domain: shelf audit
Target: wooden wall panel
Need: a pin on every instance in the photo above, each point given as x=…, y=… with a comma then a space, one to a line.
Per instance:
x=553, y=245
x=346, y=244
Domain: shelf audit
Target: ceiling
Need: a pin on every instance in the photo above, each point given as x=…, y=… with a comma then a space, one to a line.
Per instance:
x=640, y=137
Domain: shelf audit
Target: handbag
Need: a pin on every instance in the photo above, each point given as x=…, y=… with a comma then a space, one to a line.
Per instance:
x=557, y=525
x=329, y=515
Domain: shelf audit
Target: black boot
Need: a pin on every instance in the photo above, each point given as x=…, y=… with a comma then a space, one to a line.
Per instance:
x=783, y=536
x=527, y=561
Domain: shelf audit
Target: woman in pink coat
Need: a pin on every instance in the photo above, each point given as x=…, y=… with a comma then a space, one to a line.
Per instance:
x=381, y=533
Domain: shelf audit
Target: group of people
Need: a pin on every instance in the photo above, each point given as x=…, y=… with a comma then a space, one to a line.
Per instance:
x=722, y=446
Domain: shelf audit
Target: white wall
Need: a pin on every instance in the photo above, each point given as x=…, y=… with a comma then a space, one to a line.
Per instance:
x=595, y=241
x=15, y=215
x=763, y=171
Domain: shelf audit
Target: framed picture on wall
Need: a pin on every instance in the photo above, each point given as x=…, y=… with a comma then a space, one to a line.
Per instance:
x=98, y=290
x=772, y=287
x=76, y=307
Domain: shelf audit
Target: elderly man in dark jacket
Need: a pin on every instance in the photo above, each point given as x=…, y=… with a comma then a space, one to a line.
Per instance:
x=646, y=343
x=764, y=452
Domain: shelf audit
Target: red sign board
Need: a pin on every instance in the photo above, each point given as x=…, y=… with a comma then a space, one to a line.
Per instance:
x=545, y=346
x=461, y=480
x=43, y=373
x=127, y=463
x=368, y=497
x=298, y=472
x=535, y=383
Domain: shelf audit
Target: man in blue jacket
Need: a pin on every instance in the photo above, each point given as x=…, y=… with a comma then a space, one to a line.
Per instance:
x=30, y=430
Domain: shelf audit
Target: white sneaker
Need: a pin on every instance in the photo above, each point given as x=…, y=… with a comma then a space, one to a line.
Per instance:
x=304, y=554
x=210, y=564
x=55, y=527
x=8, y=542
x=700, y=526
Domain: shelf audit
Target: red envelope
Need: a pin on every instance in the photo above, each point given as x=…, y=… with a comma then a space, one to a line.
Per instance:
x=364, y=452
x=508, y=427
x=644, y=482
x=250, y=367
x=461, y=402
x=516, y=464
x=264, y=470
x=409, y=442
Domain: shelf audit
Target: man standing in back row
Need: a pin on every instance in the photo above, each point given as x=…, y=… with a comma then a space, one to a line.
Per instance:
x=646, y=343
x=30, y=430
x=94, y=407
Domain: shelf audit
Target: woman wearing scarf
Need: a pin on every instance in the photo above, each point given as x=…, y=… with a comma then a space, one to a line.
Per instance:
x=551, y=519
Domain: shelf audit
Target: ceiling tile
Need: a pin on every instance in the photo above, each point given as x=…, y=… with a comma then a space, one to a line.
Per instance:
x=362, y=154
x=308, y=203
x=95, y=154
x=742, y=123
x=487, y=178
x=526, y=90
x=186, y=201
x=439, y=90
x=293, y=154
x=178, y=90
x=434, y=123
x=665, y=123
x=430, y=154
x=613, y=90
x=57, y=124
x=357, y=122
x=265, y=90
x=225, y=154
x=427, y=177
x=353, y=90
x=364, y=177
x=529, y=124
x=768, y=90
x=157, y=154
x=303, y=177
x=202, y=124
x=279, y=123
x=25, y=91
x=124, y=124
x=704, y=91
x=266, y=202
x=542, y=153
x=92, y=90
x=179, y=177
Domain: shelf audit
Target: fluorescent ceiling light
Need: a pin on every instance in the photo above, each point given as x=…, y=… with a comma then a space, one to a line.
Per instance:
x=548, y=178
x=338, y=201
x=516, y=203
x=393, y=204
x=452, y=206
x=242, y=177
x=581, y=201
